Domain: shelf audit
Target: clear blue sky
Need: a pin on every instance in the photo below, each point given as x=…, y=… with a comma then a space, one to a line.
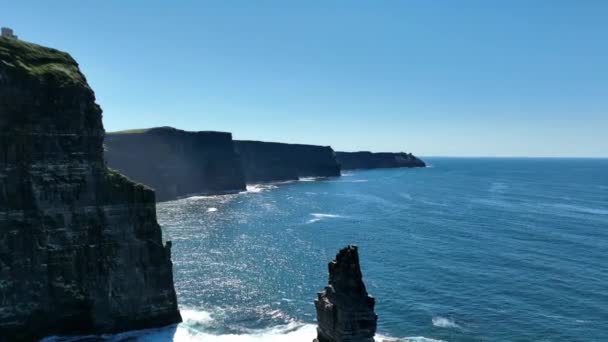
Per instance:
x=462, y=78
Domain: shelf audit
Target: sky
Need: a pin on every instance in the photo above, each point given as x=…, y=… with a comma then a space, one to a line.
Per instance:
x=436, y=78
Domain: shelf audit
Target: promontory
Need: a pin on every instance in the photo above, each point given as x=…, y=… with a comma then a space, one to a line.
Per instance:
x=81, y=251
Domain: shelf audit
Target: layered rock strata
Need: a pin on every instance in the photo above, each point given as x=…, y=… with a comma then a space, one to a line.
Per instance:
x=345, y=312
x=269, y=161
x=370, y=160
x=177, y=163
x=80, y=248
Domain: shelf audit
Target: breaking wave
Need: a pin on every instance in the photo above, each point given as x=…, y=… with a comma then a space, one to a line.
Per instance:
x=196, y=325
x=443, y=322
x=318, y=217
x=310, y=179
x=256, y=188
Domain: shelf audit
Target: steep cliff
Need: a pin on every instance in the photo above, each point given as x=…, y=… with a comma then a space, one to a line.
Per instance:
x=176, y=163
x=345, y=312
x=369, y=160
x=80, y=248
x=269, y=161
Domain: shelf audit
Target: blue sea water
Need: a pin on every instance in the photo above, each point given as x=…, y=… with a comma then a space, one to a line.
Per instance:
x=465, y=250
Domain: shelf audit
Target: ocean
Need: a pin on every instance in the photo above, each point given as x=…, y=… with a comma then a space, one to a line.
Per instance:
x=468, y=249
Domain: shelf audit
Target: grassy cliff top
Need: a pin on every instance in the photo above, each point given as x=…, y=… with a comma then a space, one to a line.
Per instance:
x=40, y=62
x=131, y=131
x=167, y=129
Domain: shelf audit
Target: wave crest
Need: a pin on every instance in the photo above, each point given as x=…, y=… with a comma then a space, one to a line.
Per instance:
x=443, y=322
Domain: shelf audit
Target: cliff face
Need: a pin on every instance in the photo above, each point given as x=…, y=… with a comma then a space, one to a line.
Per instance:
x=369, y=160
x=267, y=161
x=345, y=312
x=80, y=248
x=177, y=163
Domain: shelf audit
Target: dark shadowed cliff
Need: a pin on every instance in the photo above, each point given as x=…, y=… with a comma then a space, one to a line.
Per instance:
x=370, y=160
x=269, y=161
x=80, y=248
x=176, y=163
x=345, y=312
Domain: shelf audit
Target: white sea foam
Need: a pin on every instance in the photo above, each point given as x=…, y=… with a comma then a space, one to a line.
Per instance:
x=319, y=216
x=443, y=322
x=256, y=188
x=211, y=209
x=309, y=179
x=325, y=215
x=193, y=330
x=581, y=209
x=200, y=197
x=380, y=338
x=190, y=316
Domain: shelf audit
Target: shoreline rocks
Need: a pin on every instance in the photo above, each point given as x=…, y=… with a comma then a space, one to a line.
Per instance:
x=81, y=251
x=345, y=311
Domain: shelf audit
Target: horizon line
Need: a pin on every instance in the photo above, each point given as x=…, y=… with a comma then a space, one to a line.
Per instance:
x=515, y=157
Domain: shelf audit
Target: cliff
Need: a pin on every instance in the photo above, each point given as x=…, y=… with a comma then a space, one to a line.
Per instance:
x=369, y=160
x=176, y=163
x=345, y=312
x=269, y=161
x=80, y=248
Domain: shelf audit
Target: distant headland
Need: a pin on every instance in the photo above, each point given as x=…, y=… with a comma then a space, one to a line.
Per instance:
x=177, y=163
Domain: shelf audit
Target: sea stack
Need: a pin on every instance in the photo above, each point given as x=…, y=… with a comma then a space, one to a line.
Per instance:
x=81, y=251
x=345, y=312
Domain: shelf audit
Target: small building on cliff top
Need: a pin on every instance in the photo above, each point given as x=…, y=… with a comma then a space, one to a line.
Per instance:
x=8, y=33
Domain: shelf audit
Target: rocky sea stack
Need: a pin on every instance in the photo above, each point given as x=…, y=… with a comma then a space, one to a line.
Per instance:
x=80, y=248
x=177, y=163
x=377, y=160
x=345, y=312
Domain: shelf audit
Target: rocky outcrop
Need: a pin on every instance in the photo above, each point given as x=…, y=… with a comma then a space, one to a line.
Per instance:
x=345, y=312
x=80, y=248
x=269, y=161
x=177, y=163
x=370, y=160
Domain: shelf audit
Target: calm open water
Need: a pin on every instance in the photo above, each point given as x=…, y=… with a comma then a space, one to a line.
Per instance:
x=465, y=250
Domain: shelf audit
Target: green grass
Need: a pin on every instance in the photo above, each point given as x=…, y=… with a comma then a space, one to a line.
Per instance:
x=40, y=62
x=119, y=180
x=131, y=131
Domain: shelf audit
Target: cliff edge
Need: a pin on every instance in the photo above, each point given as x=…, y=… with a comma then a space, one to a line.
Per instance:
x=80, y=248
x=270, y=161
x=371, y=160
x=177, y=163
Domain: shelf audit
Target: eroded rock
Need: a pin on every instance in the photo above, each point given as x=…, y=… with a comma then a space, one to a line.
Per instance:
x=345, y=311
x=80, y=248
